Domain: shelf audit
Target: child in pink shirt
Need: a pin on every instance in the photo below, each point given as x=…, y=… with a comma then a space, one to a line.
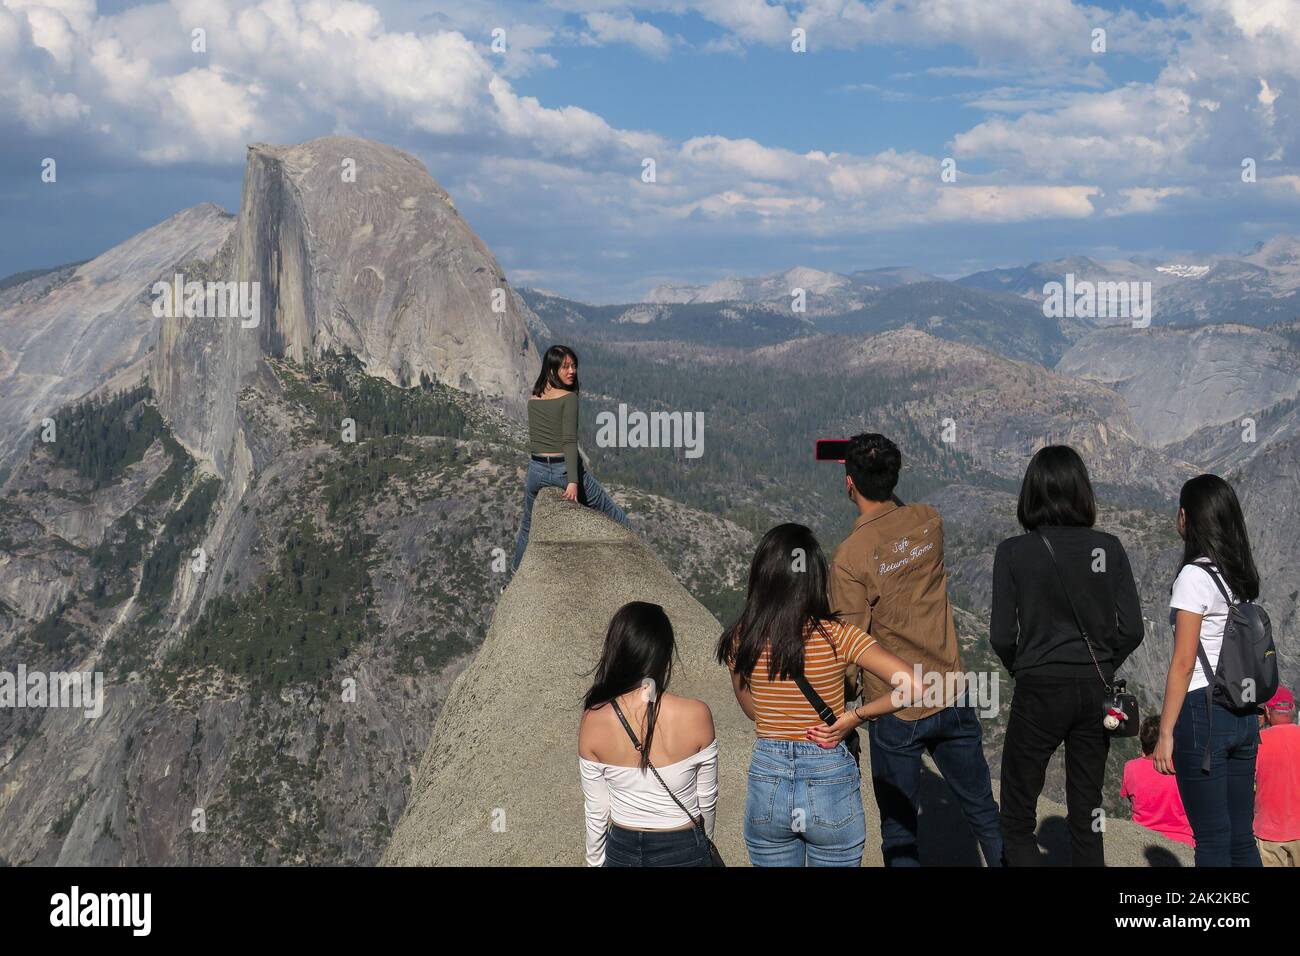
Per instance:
x=1156, y=803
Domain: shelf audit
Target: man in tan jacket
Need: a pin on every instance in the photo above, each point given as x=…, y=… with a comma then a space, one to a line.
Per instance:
x=888, y=578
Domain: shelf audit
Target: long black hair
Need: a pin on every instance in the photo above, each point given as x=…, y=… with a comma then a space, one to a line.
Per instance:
x=550, y=373
x=1214, y=528
x=787, y=592
x=639, y=645
x=1056, y=491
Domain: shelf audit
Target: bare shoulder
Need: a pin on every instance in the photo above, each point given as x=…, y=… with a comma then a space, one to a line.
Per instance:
x=693, y=713
x=592, y=731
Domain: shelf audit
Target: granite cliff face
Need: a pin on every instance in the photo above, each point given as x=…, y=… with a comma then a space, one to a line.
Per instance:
x=353, y=247
x=1177, y=381
x=213, y=545
x=505, y=792
x=1269, y=488
x=358, y=249
x=70, y=331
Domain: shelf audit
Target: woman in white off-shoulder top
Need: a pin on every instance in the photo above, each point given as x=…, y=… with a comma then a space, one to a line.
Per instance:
x=631, y=818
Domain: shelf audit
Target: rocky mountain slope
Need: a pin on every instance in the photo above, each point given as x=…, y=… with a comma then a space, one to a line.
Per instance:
x=828, y=293
x=69, y=331
x=275, y=539
x=1178, y=381
x=1000, y=410
x=762, y=313
x=725, y=323
x=467, y=805
x=1269, y=487
x=342, y=589
x=1256, y=288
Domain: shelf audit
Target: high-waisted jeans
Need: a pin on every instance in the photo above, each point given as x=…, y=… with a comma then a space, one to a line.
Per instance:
x=553, y=474
x=625, y=847
x=804, y=806
x=1220, y=804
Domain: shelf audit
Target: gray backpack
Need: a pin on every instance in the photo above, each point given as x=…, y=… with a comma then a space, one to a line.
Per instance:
x=1246, y=675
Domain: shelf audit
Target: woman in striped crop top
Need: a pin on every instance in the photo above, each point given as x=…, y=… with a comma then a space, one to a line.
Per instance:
x=553, y=445
x=804, y=805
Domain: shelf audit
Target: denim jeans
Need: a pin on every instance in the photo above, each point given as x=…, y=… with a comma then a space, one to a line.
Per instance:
x=553, y=474
x=804, y=806
x=1220, y=804
x=1046, y=712
x=954, y=740
x=656, y=847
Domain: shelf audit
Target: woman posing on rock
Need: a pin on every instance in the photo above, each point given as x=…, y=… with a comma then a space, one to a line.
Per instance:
x=648, y=759
x=553, y=444
x=804, y=804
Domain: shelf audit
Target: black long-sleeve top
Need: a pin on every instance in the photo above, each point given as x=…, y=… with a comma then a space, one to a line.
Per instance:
x=1032, y=629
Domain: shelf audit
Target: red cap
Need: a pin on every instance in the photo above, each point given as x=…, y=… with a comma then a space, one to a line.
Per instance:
x=1282, y=700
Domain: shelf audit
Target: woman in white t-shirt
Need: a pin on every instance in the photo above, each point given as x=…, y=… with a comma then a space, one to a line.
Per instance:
x=635, y=742
x=1217, y=567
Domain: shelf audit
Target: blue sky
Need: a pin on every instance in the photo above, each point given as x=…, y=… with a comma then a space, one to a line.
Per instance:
x=766, y=157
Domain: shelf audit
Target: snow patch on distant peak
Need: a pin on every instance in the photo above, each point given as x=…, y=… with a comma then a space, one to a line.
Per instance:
x=1183, y=271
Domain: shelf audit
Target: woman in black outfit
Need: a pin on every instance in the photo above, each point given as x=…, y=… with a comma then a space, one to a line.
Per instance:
x=1060, y=678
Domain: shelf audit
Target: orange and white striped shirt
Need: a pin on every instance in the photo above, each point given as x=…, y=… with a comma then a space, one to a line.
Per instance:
x=781, y=712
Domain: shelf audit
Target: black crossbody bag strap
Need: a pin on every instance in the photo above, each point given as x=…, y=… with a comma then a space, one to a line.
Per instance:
x=1078, y=622
x=815, y=699
x=698, y=821
x=851, y=741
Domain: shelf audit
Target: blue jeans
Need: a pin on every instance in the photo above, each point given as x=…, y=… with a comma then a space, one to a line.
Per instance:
x=553, y=474
x=656, y=847
x=954, y=739
x=804, y=806
x=1220, y=804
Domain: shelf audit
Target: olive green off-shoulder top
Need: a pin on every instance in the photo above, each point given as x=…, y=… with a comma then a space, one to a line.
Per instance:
x=553, y=427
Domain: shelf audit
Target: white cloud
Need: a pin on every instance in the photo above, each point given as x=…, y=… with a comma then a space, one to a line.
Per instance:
x=275, y=70
x=610, y=28
x=1060, y=143
x=1144, y=199
x=1131, y=133
x=1012, y=203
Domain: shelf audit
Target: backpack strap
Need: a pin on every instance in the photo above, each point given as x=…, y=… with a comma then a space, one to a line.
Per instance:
x=1205, y=666
x=1209, y=706
x=1218, y=583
